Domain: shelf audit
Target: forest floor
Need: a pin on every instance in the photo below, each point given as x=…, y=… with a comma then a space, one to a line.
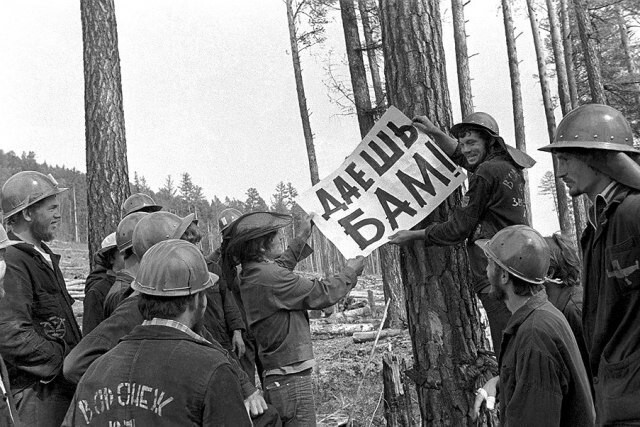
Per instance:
x=347, y=379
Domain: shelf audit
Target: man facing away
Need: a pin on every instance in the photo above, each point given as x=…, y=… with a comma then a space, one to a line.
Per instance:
x=37, y=325
x=163, y=373
x=594, y=148
x=542, y=379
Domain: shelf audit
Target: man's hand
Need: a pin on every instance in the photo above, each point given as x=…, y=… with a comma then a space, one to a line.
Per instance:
x=406, y=236
x=237, y=343
x=305, y=227
x=356, y=264
x=425, y=125
x=255, y=404
x=490, y=390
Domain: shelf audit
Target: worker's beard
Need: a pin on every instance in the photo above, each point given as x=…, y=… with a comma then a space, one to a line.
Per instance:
x=41, y=231
x=498, y=292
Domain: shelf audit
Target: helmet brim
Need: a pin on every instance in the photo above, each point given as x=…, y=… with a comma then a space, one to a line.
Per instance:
x=34, y=201
x=151, y=290
x=484, y=245
x=590, y=145
x=460, y=127
x=184, y=224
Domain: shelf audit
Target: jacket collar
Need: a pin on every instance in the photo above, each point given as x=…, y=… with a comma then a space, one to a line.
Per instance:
x=618, y=193
x=31, y=250
x=525, y=311
x=161, y=333
x=562, y=298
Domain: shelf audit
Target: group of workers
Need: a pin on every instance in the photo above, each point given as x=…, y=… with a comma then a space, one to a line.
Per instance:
x=172, y=338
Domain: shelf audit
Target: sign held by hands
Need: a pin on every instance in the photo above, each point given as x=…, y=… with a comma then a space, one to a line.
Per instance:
x=394, y=178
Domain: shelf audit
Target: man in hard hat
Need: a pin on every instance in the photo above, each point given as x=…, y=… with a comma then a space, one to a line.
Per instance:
x=152, y=229
x=8, y=412
x=107, y=261
x=276, y=300
x=495, y=199
x=124, y=241
x=594, y=149
x=542, y=379
x=163, y=373
x=139, y=202
x=37, y=325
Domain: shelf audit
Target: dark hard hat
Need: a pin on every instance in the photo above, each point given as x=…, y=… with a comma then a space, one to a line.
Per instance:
x=520, y=250
x=227, y=217
x=139, y=202
x=480, y=121
x=156, y=227
x=594, y=126
x=4, y=239
x=124, y=235
x=173, y=268
x=26, y=188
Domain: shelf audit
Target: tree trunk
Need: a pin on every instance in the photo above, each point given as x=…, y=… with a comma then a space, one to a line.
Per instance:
x=568, y=53
x=368, y=9
x=397, y=400
x=626, y=53
x=590, y=52
x=107, y=170
x=462, y=58
x=564, y=216
x=441, y=309
x=392, y=286
x=516, y=94
x=302, y=99
x=356, y=66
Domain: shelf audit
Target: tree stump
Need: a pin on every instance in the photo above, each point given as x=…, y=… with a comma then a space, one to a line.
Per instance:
x=397, y=400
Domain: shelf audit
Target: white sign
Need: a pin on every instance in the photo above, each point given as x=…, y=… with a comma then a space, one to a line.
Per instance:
x=393, y=180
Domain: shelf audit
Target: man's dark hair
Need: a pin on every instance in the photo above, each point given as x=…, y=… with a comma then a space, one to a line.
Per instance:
x=151, y=306
x=127, y=253
x=523, y=288
x=492, y=144
x=253, y=250
x=192, y=234
x=565, y=264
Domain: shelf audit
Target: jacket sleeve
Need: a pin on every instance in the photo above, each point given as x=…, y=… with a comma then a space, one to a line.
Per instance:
x=464, y=219
x=232, y=315
x=223, y=402
x=93, y=312
x=20, y=343
x=539, y=387
x=84, y=354
x=290, y=291
x=296, y=252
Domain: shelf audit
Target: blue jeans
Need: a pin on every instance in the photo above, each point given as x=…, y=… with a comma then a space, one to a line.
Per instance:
x=292, y=396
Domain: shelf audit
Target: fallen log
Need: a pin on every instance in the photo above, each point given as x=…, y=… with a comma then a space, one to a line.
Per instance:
x=340, y=329
x=362, y=311
x=359, y=337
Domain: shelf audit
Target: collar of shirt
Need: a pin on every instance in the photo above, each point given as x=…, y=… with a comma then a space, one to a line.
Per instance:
x=601, y=202
x=176, y=325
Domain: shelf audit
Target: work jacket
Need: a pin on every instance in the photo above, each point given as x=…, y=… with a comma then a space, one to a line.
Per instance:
x=159, y=376
x=495, y=200
x=277, y=299
x=611, y=316
x=37, y=325
x=222, y=316
x=8, y=413
x=120, y=290
x=542, y=378
x=107, y=334
x=96, y=287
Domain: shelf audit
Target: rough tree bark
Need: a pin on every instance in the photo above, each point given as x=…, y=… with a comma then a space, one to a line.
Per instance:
x=516, y=93
x=564, y=216
x=391, y=280
x=589, y=52
x=107, y=170
x=579, y=214
x=462, y=58
x=302, y=98
x=628, y=59
x=367, y=10
x=441, y=308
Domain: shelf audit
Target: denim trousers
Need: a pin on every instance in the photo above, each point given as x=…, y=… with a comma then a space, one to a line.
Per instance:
x=292, y=396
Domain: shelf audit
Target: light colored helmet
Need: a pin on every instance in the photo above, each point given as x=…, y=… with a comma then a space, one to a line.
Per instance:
x=227, y=217
x=173, y=268
x=156, y=227
x=108, y=243
x=26, y=188
x=4, y=239
x=124, y=235
x=482, y=121
x=521, y=251
x=139, y=202
x=594, y=126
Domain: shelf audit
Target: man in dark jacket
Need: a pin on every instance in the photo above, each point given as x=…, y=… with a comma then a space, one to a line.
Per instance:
x=596, y=157
x=107, y=262
x=8, y=412
x=542, y=378
x=163, y=373
x=495, y=200
x=37, y=325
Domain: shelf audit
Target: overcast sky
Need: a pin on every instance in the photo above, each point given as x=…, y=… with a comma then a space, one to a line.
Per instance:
x=208, y=89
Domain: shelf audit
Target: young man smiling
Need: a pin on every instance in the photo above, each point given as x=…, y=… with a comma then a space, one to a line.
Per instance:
x=495, y=200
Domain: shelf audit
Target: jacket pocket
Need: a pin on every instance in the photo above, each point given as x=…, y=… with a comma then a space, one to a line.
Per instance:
x=618, y=389
x=623, y=265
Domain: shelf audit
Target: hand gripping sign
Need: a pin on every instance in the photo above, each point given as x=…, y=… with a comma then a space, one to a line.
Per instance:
x=393, y=180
